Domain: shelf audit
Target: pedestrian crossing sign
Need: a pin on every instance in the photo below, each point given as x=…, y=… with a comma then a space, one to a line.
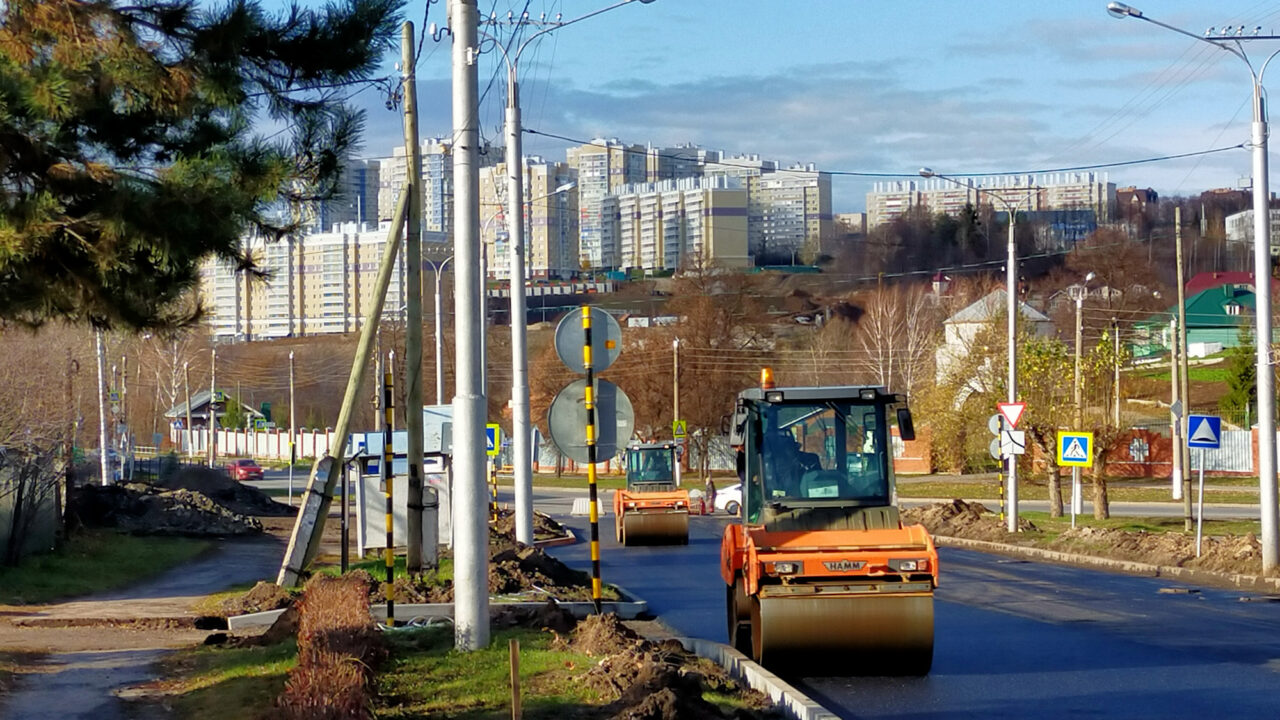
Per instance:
x=492, y=439
x=1075, y=449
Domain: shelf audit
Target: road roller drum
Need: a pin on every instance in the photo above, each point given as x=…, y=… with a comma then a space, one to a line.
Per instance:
x=655, y=528
x=852, y=635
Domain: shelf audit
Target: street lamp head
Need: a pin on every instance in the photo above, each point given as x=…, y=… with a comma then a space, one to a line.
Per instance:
x=1120, y=10
x=1090, y=276
x=569, y=185
x=926, y=172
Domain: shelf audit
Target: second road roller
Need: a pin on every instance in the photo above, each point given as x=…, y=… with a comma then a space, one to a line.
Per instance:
x=653, y=509
x=822, y=578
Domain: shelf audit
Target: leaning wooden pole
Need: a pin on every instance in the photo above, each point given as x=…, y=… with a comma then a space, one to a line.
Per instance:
x=304, y=541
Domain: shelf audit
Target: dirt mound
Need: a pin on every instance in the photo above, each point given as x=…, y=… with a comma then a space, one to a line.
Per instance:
x=513, y=569
x=143, y=510
x=958, y=518
x=1234, y=554
x=549, y=616
x=217, y=486
x=544, y=528
x=260, y=598
x=653, y=680
x=600, y=635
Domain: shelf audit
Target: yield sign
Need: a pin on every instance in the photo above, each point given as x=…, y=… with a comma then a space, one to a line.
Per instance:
x=1011, y=411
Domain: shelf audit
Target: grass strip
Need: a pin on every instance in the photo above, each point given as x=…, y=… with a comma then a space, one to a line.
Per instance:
x=427, y=678
x=93, y=561
x=1050, y=528
x=1040, y=491
x=211, y=683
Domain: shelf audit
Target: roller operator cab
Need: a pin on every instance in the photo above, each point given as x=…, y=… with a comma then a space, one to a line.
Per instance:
x=653, y=509
x=821, y=575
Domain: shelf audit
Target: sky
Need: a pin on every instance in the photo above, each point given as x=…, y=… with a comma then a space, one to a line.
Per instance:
x=874, y=87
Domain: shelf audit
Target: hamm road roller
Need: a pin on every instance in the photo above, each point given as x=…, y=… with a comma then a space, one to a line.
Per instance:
x=653, y=510
x=821, y=575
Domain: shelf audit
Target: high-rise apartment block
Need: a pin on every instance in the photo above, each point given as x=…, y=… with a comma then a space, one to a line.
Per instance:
x=319, y=283
x=685, y=223
x=795, y=205
x=550, y=220
x=356, y=199
x=1049, y=191
x=603, y=167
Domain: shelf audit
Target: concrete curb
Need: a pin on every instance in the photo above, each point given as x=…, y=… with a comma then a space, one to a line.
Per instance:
x=1189, y=575
x=554, y=542
x=791, y=701
x=625, y=609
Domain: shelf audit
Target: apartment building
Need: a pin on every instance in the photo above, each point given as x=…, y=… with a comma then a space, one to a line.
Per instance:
x=683, y=223
x=356, y=199
x=550, y=220
x=1027, y=192
x=1239, y=228
x=437, y=181
x=318, y=283
x=795, y=203
x=748, y=169
x=603, y=167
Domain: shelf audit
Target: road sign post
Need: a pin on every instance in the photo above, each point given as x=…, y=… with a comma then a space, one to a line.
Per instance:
x=1203, y=432
x=1075, y=450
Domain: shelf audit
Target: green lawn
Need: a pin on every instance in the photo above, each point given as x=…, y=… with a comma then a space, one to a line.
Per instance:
x=1040, y=491
x=427, y=678
x=93, y=561
x=212, y=683
x=1051, y=528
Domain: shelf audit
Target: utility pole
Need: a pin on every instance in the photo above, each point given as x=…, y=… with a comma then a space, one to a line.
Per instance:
x=675, y=403
x=308, y=527
x=1115, y=334
x=522, y=459
x=69, y=474
x=1176, y=411
x=1181, y=377
x=123, y=424
x=1077, y=504
x=293, y=430
x=104, y=458
x=213, y=407
x=186, y=382
x=470, y=526
x=413, y=332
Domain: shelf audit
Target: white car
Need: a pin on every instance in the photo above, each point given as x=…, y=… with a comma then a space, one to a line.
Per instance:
x=729, y=499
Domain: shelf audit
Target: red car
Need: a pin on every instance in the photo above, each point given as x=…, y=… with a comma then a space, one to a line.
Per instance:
x=244, y=469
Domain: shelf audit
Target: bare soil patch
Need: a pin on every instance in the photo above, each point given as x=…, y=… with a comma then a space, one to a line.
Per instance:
x=958, y=518
x=654, y=680
x=1241, y=554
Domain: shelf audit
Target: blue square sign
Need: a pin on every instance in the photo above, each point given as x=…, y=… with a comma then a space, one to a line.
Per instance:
x=1204, y=431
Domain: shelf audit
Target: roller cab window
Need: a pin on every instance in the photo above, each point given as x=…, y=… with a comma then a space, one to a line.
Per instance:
x=824, y=453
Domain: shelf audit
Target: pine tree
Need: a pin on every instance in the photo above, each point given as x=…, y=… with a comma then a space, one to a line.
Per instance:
x=128, y=152
x=1242, y=379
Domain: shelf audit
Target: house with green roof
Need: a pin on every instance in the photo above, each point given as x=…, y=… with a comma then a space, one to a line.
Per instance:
x=1213, y=316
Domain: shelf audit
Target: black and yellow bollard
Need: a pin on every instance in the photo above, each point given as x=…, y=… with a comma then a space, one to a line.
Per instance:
x=388, y=479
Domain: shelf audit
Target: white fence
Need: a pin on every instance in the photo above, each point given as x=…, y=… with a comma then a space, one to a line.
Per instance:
x=1234, y=455
x=263, y=445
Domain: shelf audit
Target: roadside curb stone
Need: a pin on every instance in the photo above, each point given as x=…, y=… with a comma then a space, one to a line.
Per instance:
x=1205, y=577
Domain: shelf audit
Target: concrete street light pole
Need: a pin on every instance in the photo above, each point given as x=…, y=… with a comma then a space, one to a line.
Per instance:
x=470, y=524
x=1011, y=292
x=1267, y=495
x=522, y=460
x=437, y=269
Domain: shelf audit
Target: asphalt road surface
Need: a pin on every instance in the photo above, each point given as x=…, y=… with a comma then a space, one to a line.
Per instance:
x=1014, y=639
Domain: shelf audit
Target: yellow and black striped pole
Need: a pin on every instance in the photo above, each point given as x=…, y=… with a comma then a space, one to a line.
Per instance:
x=388, y=455
x=590, y=403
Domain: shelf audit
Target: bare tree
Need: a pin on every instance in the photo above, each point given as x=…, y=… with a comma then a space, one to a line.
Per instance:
x=898, y=333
